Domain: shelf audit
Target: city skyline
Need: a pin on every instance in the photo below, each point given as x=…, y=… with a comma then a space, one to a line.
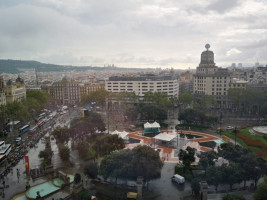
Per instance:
x=134, y=33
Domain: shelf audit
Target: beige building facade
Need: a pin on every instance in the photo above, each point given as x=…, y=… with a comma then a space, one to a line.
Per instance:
x=15, y=92
x=211, y=80
x=70, y=92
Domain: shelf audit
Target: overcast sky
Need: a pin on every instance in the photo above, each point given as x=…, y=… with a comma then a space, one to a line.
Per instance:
x=133, y=33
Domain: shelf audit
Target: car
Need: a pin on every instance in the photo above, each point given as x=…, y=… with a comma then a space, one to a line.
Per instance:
x=229, y=128
x=178, y=179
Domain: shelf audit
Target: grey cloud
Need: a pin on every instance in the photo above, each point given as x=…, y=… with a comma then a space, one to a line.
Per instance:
x=132, y=33
x=222, y=6
x=255, y=44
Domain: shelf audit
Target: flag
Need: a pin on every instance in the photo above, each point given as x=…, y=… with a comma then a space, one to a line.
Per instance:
x=27, y=164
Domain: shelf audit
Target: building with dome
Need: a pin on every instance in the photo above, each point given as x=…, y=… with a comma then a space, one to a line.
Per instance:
x=15, y=91
x=212, y=80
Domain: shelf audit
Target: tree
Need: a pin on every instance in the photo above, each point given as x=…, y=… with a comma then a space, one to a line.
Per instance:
x=152, y=112
x=98, y=96
x=91, y=170
x=207, y=101
x=17, y=110
x=259, y=170
x=261, y=192
x=195, y=116
x=195, y=186
x=233, y=197
x=154, y=106
x=247, y=100
x=231, y=174
x=129, y=164
x=130, y=112
x=46, y=158
x=247, y=163
x=36, y=100
x=127, y=96
x=187, y=157
x=61, y=134
x=186, y=98
x=207, y=159
x=83, y=149
x=43, y=154
x=105, y=144
x=64, y=152
x=96, y=120
x=263, y=111
x=214, y=176
x=3, y=117
x=231, y=152
x=147, y=162
x=158, y=98
x=117, y=165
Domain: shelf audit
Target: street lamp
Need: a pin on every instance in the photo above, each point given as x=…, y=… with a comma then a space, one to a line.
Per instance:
x=177, y=134
x=154, y=140
x=108, y=114
x=235, y=135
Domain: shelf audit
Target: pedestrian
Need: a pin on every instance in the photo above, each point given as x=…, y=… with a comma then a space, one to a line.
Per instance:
x=4, y=182
x=18, y=174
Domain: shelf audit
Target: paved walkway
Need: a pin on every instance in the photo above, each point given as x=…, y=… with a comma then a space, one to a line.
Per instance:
x=167, y=153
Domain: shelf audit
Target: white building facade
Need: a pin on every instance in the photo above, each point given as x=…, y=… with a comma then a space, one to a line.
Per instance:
x=142, y=84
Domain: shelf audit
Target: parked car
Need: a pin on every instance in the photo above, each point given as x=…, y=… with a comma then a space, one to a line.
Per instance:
x=178, y=179
x=229, y=128
x=131, y=195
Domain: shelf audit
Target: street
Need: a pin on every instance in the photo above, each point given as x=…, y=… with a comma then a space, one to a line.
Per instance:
x=164, y=189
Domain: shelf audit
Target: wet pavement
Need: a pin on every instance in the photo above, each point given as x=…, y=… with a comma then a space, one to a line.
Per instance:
x=16, y=184
x=164, y=189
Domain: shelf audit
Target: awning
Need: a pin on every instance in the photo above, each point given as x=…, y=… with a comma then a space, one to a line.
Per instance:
x=153, y=125
x=122, y=134
x=165, y=137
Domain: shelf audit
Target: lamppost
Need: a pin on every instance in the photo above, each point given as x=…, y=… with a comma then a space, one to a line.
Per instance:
x=154, y=140
x=235, y=135
x=177, y=134
x=108, y=114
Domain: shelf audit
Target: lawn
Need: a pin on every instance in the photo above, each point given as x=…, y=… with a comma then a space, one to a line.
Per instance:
x=256, y=144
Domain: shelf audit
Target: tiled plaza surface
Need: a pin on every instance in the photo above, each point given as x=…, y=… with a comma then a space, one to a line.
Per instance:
x=167, y=153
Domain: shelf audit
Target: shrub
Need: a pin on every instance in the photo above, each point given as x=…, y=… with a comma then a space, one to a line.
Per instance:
x=91, y=170
x=233, y=197
x=179, y=170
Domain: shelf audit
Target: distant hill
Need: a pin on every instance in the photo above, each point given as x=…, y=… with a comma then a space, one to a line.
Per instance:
x=17, y=66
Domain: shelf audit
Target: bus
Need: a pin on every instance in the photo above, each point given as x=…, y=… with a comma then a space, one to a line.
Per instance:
x=24, y=129
x=33, y=130
x=41, y=116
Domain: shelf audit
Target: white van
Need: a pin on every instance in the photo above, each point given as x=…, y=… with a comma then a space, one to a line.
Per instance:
x=178, y=179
